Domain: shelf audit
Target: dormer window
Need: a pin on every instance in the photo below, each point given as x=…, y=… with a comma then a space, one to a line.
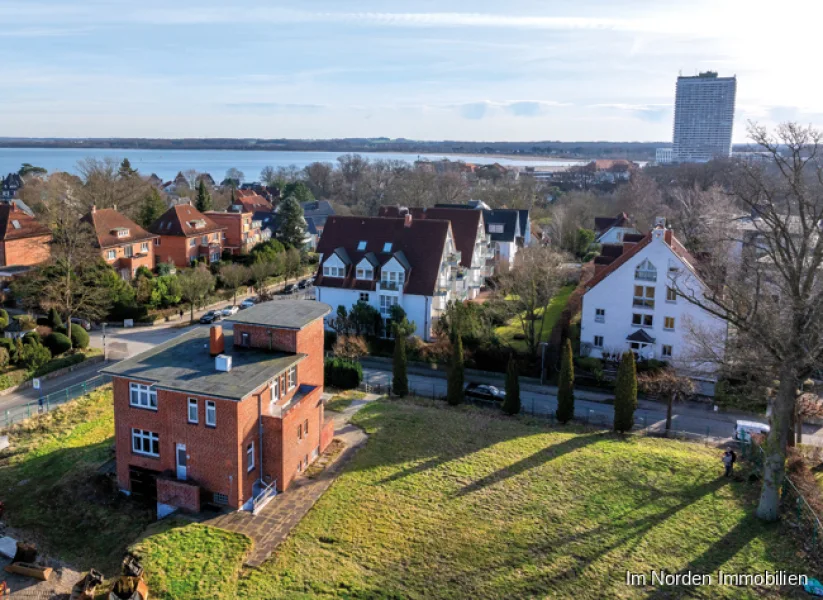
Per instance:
x=495, y=228
x=121, y=232
x=334, y=271
x=16, y=224
x=645, y=271
x=361, y=245
x=387, y=247
x=365, y=274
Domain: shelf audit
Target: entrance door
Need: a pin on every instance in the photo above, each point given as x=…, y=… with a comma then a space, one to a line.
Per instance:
x=181, y=461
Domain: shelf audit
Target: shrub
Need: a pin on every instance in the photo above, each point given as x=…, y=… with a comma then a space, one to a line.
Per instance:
x=34, y=356
x=565, y=385
x=400, y=378
x=26, y=322
x=60, y=363
x=4, y=358
x=57, y=343
x=329, y=339
x=625, y=394
x=32, y=337
x=342, y=374
x=4, y=319
x=455, y=392
x=79, y=336
x=511, y=404
x=54, y=320
x=352, y=347
x=10, y=347
x=651, y=366
x=591, y=365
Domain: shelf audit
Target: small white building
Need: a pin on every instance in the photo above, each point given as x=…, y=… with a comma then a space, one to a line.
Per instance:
x=611, y=230
x=413, y=263
x=664, y=156
x=635, y=303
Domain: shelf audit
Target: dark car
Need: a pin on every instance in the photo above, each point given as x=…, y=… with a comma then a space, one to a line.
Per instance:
x=211, y=317
x=304, y=283
x=483, y=391
x=288, y=289
x=84, y=323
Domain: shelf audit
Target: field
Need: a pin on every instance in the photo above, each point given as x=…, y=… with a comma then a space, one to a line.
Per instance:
x=508, y=331
x=457, y=503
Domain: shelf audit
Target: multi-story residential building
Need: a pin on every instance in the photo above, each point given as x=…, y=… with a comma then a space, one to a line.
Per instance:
x=242, y=232
x=185, y=235
x=123, y=243
x=634, y=302
x=413, y=263
x=223, y=417
x=610, y=230
x=703, y=117
x=470, y=239
x=664, y=156
x=23, y=240
x=250, y=201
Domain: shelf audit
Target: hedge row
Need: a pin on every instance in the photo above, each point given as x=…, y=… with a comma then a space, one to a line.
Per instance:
x=342, y=374
x=60, y=363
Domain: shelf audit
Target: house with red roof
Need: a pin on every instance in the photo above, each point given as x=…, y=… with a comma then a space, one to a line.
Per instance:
x=637, y=301
x=185, y=236
x=24, y=241
x=123, y=243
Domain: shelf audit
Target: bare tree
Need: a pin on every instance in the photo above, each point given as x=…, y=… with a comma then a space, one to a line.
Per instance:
x=669, y=386
x=260, y=272
x=234, y=275
x=103, y=186
x=532, y=283
x=769, y=290
x=700, y=215
x=195, y=285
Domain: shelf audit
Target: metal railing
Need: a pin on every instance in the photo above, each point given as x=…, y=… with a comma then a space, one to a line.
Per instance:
x=264, y=497
x=48, y=402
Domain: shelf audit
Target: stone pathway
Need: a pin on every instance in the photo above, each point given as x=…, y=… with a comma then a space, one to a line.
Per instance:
x=272, y=525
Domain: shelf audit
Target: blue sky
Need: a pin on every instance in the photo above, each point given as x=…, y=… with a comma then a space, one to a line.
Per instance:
x=516, y=70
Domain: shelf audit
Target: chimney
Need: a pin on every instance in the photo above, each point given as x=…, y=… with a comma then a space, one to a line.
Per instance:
x=114, y=207
x=660, y=222
x=407, y=220
x=217, y=343
x=93, y=209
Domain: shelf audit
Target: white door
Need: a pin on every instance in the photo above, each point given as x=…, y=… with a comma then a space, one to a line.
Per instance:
x=181, y=461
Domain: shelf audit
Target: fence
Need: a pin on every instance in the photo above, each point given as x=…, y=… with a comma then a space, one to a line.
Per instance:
x=50, y=401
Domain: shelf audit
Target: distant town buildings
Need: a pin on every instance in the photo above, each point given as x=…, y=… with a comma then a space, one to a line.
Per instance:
x=703, y=117
x=9, y=186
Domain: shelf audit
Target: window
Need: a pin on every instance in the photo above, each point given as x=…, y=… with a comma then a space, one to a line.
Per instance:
x=292, y=377
x=306, y=431
x=598, y=341
x=245, y=339
x=250, y=457
x=215, y=256
x=145, y=442
x=222, y=499
x=643, y=296
x=156, y=241
x=300, y=432
x=666, y=352
x=128, y=251
x=192, y=243
x=495, y=228
x=15, y=223
x=364, y=297
x=671, y=295
x=142, y=396
x=646, y=271
x=387, y=247
x=121, y=233
x=211, y=414
x=668, y=323
x=386, y=302
x=643, y=320
x=300, y=466
x=361, y=245
x=111, y=255
x=334, y=271
x=275, y=389
x=600, y=315
x=205, y=239
x=144, y=247
x=365, y=273
x=193, y=410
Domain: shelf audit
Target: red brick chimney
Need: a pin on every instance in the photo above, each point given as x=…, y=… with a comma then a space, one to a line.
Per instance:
x=217, y=342
x=407, y=220
x=93, y=209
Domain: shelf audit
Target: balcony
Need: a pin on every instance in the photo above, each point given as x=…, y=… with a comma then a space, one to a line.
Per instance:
x=643, y=303
x=453, y=258
x=645, y=275
x=389, y=286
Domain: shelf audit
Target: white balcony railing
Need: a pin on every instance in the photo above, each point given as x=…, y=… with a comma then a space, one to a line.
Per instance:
x=390, y=286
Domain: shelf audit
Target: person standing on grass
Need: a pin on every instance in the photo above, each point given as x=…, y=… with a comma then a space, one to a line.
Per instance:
x=728, y=462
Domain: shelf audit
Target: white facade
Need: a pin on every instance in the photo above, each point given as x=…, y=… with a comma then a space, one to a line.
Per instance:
x=614, y=235
x=703, y=117
x=663, y=156
x=637, y=297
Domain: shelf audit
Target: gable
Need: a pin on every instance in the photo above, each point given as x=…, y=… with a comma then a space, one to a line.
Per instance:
x=393, y=265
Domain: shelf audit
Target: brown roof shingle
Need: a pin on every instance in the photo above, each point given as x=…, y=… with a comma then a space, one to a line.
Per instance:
x=26, y=225
x=106, y=222
x=182, y=220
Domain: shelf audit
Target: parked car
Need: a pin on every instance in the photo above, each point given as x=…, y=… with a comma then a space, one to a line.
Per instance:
x=288, y=289
x=304, y=283
x=743, y=430
x=230, y=310
x=484, y=392
x=211, y=317
x=247, y=303
x=84, y=323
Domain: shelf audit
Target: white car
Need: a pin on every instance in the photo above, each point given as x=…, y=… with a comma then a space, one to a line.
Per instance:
x=230, y=310
x=247, y=303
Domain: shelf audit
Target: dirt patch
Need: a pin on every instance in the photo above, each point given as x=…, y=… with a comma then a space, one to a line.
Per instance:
x=332, y=452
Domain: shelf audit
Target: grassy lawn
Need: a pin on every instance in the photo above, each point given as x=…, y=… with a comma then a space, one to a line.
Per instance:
x=340, y=402
x=198, y=561
x=507, y=332
x=52, y=490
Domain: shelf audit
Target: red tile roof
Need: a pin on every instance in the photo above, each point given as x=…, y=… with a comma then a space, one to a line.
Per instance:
x=181, y=220
x=27, y=226
x=252, y=201
x=422, y=245
x=464, y=225
x=105, y=222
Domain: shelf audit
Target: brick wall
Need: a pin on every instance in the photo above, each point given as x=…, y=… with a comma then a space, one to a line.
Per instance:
x=25, y=251
x=267, y=338
x=310, y=342
x=327, y=434
x=181, y=494
x=176, y=249
x=294, y=449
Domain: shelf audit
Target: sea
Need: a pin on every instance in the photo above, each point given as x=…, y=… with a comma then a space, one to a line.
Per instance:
x=167, y=163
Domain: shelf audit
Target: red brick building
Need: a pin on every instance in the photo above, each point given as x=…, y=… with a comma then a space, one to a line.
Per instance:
x=241, y=233
x=23, y=240
x=185, y=235
x=123, y=243
x=223, y=417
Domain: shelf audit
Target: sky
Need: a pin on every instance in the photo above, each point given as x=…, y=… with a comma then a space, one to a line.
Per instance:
x=518, y=70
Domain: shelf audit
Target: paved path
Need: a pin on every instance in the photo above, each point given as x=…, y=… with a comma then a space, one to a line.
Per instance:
x=272, y=525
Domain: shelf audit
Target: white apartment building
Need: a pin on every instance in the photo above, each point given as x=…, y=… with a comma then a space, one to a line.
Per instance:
x=703, y=117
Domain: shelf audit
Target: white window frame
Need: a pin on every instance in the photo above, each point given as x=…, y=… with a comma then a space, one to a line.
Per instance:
x=666, y=351
x=192, y=242
x=671, y=295
x=142, y=439
x=643, y=318
x=665, y=326
x=292, y=377
x=144, y=247
x=274, y=388
x=599, y=315
x=111, y=254
x=157, y=241
x=250, y=457
x=211, y=408
x=193, y=404
x=594, y=342
x=142, y=396
x=496, y=228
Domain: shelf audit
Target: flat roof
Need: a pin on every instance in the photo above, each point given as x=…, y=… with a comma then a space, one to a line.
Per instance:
x=284, y=314
x=185, y=365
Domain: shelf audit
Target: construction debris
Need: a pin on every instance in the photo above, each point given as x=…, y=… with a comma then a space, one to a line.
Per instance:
x=130, y=585
x=30, y=570
x=86, y=588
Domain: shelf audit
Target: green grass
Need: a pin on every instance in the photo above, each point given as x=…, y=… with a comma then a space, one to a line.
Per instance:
x=456, y=503
x=340, y=402
x=514, y=327
x=52, y=490
x=13, y=376
x=197, y=561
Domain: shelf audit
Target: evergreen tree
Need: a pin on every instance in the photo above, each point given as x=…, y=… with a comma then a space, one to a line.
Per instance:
x=511, y=405
x=292, y=223
x=400, y=378
x=203, y=201
x=126, y=170
x=454, y=395
x=233, y=199
x=151, y=209
x=54, y=319
x=625, y=393
x=565, y=386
